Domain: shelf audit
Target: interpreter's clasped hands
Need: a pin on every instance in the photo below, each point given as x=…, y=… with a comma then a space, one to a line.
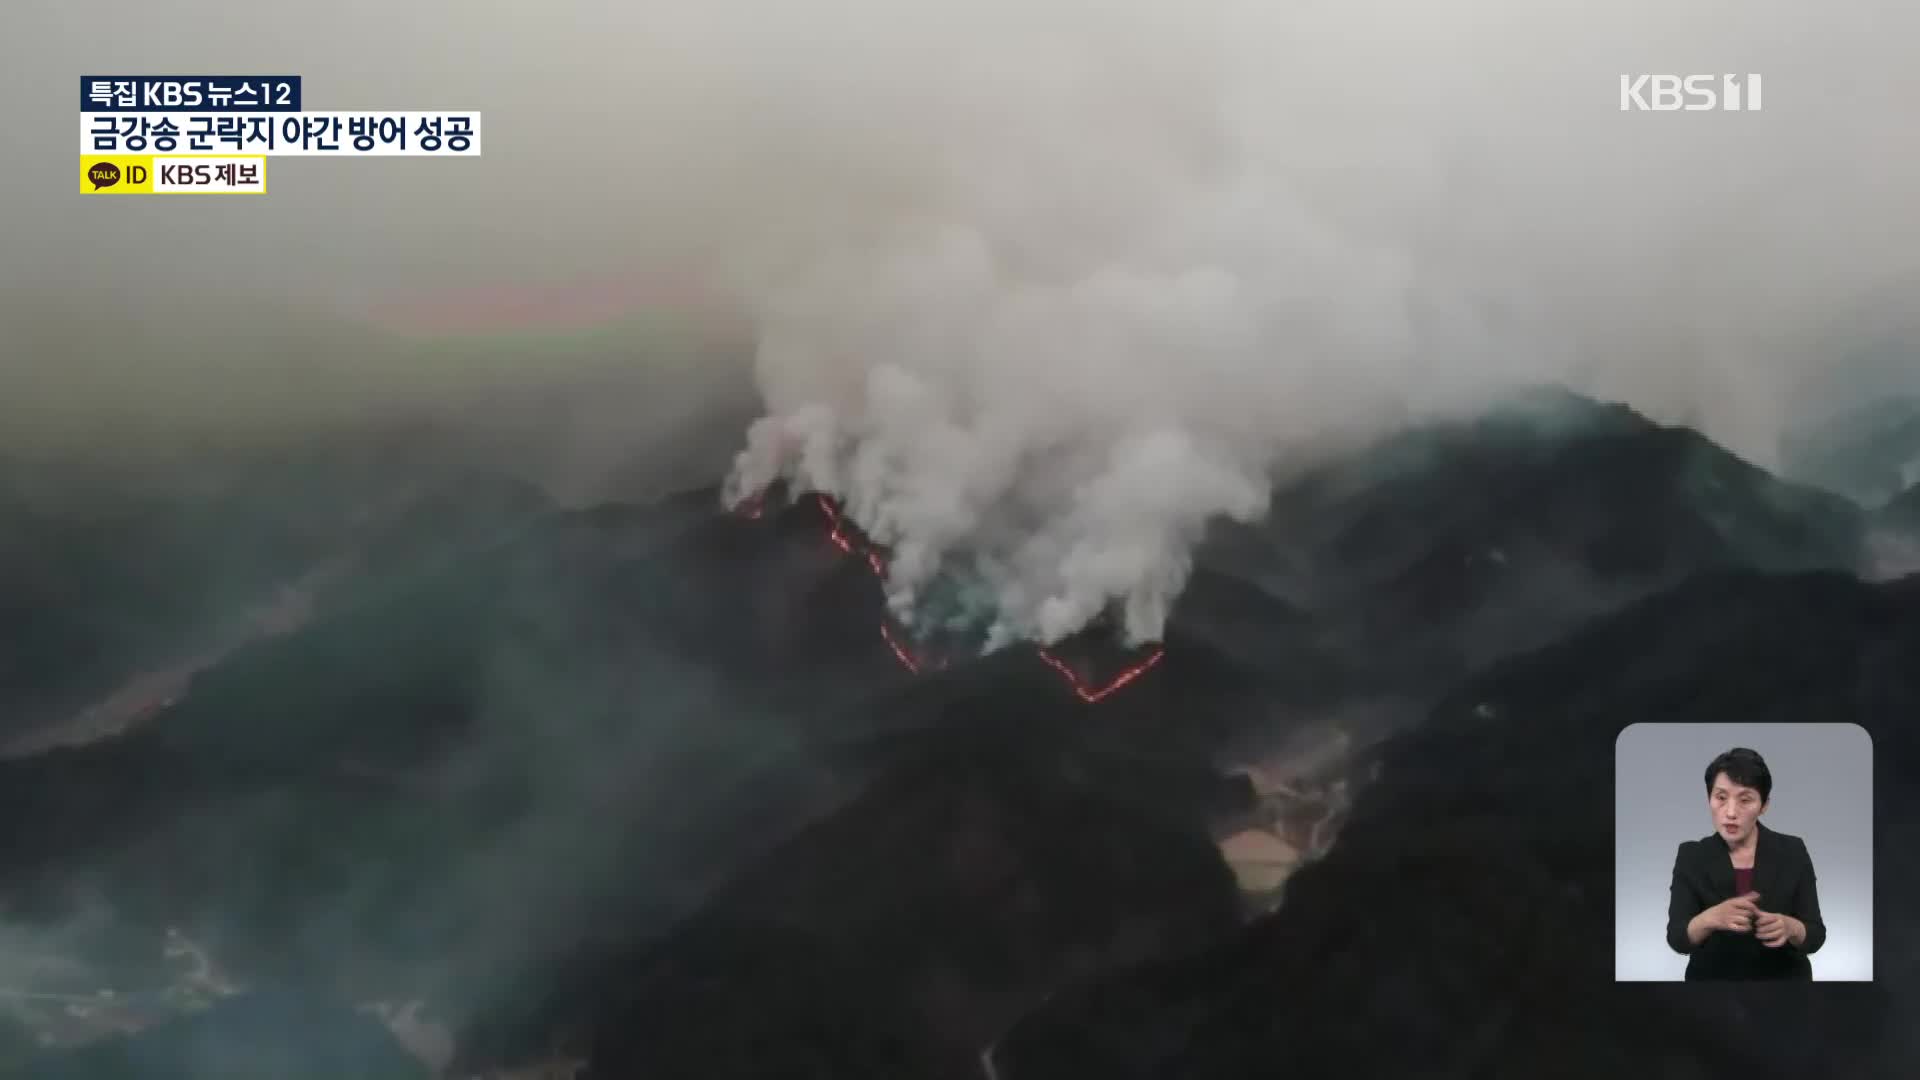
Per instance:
x=1743, y=915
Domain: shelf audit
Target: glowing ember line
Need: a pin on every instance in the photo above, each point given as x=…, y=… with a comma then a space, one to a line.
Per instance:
x=839, y=537
x=1091, y=696
x=752, y=508
x=900, y=652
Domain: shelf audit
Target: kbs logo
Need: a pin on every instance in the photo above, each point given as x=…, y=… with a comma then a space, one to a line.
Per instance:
x=1689, y=93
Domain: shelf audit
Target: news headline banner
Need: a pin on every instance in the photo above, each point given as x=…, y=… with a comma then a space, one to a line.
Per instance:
x=153, y=134
x=301, y=134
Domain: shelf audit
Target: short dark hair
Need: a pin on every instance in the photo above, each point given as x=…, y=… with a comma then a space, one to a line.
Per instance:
x=1744, y=767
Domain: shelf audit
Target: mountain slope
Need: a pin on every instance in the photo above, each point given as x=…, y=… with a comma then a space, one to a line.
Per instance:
x=538, y=774
x=1869, y=453
x=1460, y=927
x=1444, y=547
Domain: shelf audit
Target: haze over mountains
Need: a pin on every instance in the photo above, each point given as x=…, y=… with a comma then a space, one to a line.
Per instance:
x=633, y=782
x=383, y=693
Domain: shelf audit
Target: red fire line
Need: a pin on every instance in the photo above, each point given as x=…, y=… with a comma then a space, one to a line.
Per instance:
x=900, y=652
x=836, y=532
x=1091, y=696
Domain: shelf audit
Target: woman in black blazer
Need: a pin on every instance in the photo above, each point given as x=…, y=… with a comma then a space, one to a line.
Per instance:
x=1743, y=904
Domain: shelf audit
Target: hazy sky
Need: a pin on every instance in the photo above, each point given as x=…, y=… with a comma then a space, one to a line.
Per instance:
x=1435, y=192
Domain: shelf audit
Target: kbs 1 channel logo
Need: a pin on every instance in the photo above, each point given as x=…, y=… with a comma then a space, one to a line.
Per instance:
x=212, y=134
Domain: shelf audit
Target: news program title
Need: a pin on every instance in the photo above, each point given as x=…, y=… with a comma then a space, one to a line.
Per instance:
x=212, y=134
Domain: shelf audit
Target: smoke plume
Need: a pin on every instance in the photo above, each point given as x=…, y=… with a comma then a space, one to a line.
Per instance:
x=996, y=252
x=1066, y=285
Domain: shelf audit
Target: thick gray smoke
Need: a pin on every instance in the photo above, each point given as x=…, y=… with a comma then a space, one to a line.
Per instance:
x=999, y=249
x=1056, y=287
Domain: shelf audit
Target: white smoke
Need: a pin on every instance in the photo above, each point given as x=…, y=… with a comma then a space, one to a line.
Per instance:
x=1064, y=436
x=1048, y=288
